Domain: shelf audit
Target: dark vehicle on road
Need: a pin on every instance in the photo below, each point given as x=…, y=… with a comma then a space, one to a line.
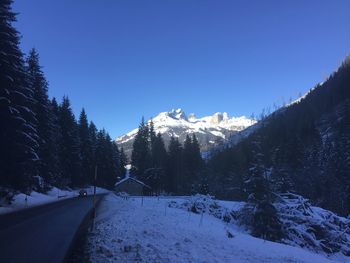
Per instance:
x=82, y=193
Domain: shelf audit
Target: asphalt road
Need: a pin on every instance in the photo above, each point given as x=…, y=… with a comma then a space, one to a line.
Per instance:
x=42, y=234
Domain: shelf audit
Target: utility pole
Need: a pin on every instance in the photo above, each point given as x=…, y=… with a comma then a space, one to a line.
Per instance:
x=94, y=199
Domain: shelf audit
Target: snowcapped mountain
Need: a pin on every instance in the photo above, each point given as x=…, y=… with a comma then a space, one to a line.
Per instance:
x=210, y=130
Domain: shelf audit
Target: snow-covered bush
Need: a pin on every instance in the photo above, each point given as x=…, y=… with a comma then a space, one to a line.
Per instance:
x=312, y=227
x=6, y=196
x=199, y=204
x=261, y=219
x=303, y=225
x=123, y=195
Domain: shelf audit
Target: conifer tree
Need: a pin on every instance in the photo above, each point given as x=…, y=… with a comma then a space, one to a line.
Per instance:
x=152, y=133
x=152, y=139
x=56, y=167
x=86, y=151
x=141, y=157
x=93, y=135
x=159, y=153
x=106, y=160
x=188, y=165
x=174, y=167
x=261, y=211
x=18, y=135
x=42, y=109
x=69, y=145
x=117, y=170
x=280, y=174
x=113, y=162
x=193, y=164
x=101, y=158
x=197, y=157
x=123, y=160
x=155, y=175
x=93, y=139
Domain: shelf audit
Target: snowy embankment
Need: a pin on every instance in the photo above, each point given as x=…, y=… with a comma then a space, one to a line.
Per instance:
x=23, y=201
x=148, y=230
x=302, y=224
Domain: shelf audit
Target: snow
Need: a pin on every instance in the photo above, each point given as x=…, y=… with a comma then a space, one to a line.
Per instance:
x=148, y=230
x=128, y=177
x=133, y=179
x=22, y=201
x=175, y=118
x=312, y=227
x=233, y=140
x=219, y=134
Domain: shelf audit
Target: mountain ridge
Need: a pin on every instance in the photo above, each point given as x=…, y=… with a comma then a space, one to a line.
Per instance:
x=210, y=130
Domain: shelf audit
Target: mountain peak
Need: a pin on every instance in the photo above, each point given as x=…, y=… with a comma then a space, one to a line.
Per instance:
x=209, y=130
x=219, y=117
x=192, y=117
x=177, y=114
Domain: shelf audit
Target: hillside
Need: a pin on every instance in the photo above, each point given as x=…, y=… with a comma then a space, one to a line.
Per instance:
x=304, y=148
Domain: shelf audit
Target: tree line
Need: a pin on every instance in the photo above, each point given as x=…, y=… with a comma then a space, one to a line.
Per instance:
x=303, y=148
x=42, y=143
x=174, y=169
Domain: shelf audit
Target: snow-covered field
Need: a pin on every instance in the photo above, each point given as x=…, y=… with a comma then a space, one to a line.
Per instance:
x=147, y=230
x=22, y=201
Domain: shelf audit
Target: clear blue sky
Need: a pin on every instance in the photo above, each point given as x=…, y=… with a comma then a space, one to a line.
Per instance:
x=124, y=59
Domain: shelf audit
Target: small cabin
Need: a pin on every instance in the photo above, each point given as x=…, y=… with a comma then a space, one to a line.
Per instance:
x=132, y=186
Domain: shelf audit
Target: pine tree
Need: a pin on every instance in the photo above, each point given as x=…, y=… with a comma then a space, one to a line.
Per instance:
x=18, y=135
x=113, y=162
x=100, y=158
x=116, y=170
x=123, y=160
x=152, y=139
x=263, y=215
x=69, y=145
x=282, y=181
x=86, y=151
x=174, y=167
x=93, y=139
x=188, y=152
x=141, y=157
x=188, y=164
x=93, y=135
x=106, y=160
x=56, y=167
x=42, y=109
x=193, y=164
x=155, y=175
x=152, y=133
x=159, y=153
x=197, y=157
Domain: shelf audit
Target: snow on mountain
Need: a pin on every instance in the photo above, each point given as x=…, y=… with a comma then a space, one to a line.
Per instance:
x=210, y=130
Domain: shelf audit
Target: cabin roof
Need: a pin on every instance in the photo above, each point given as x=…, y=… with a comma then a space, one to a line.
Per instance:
x=133, y=179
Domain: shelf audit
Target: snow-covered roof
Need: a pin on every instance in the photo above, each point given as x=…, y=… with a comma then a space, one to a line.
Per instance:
x=133, y=179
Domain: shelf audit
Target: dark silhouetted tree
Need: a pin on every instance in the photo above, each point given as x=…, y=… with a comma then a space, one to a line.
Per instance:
x=86, y=149
x=47, y=149
x=18, y=135
x=141, y=156
x=69, y=145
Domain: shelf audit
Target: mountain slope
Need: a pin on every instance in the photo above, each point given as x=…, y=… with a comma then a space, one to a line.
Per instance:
x=305, y=148
x=209, y=130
